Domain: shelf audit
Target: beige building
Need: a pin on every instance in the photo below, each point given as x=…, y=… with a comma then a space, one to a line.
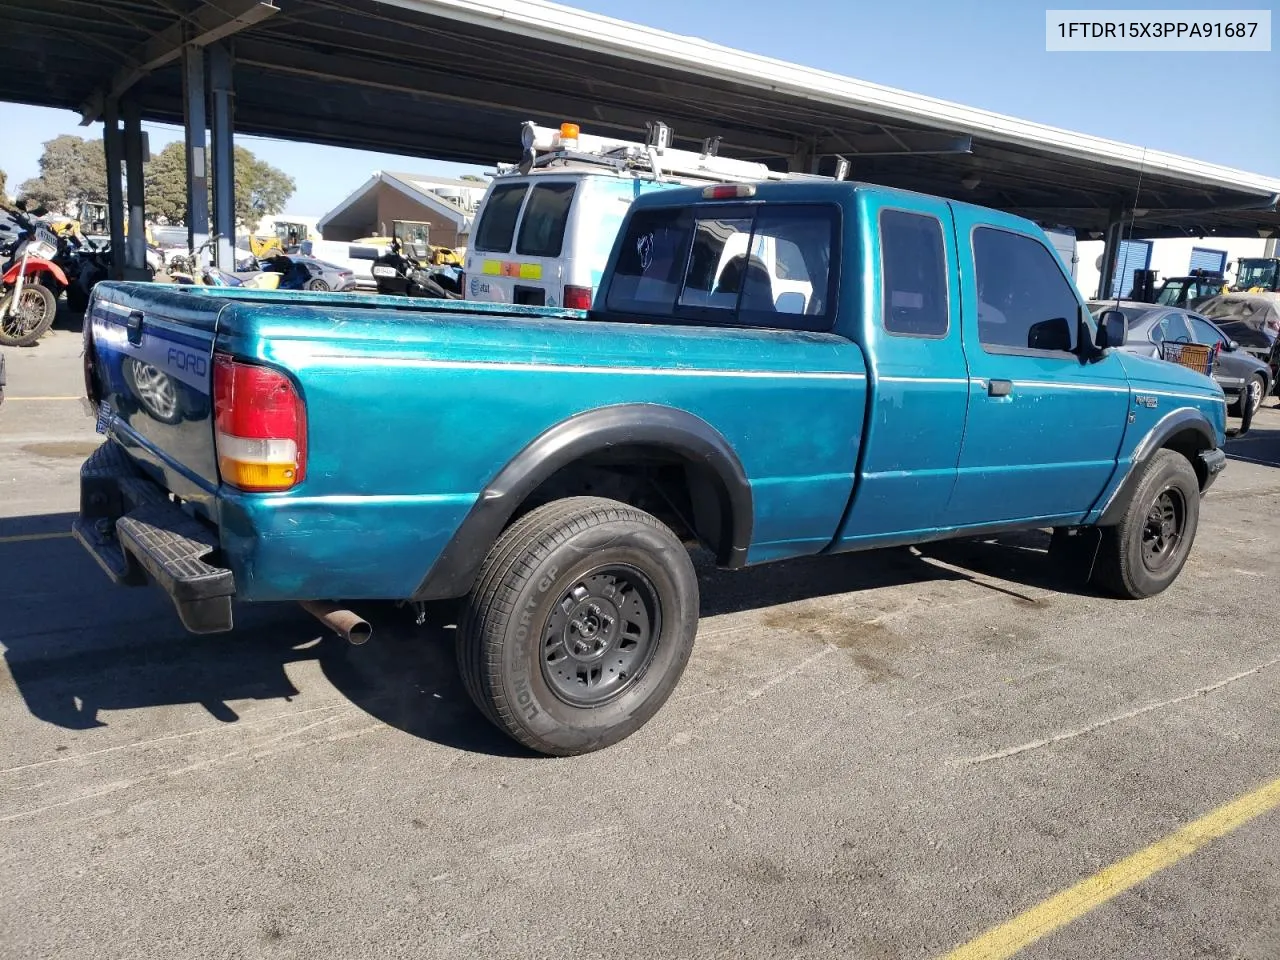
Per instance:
x=448, y=206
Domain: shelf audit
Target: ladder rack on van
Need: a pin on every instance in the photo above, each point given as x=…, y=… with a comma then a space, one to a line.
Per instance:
x=545, y=147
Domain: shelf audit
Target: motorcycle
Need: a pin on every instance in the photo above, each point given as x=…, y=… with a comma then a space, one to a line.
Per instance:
x=94, y=266
x=27, y=299
x=184, y=270
x=400, y=276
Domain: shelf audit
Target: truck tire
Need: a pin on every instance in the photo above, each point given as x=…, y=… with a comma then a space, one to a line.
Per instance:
x=579, y=626
x=1145, y=552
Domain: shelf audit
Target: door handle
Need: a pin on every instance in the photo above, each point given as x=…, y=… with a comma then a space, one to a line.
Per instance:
x=133, y=326
x=999, y=388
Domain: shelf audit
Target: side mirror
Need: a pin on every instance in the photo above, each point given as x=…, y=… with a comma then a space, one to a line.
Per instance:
x=1113, y=329
x=1232, y=346
x=1052, y=334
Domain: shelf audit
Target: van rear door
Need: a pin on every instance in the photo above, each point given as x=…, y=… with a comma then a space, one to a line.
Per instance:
x=517, y=255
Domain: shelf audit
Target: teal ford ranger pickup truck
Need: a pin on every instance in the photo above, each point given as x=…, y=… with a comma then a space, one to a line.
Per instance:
x=769, y=370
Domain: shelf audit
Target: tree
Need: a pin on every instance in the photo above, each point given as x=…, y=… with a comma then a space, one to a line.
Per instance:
x=261, y=189
x=473, y=177
x=72, y=171
x=165, y=184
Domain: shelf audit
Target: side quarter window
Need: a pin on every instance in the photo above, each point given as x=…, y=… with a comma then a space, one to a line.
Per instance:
x=1025, y=303
x=913, y=274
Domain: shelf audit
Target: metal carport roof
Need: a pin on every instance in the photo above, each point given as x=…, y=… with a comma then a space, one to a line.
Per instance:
x=451, y=79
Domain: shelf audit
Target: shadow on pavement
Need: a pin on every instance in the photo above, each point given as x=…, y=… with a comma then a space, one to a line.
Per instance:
x=77, y=646
x=1259, y=446
x=1021, y=557
x=67, y=319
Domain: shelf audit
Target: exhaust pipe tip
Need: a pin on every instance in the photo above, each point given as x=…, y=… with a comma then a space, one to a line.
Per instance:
x=346, y=624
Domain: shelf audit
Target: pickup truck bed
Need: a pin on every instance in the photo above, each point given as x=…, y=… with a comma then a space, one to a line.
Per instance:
x=551, y=466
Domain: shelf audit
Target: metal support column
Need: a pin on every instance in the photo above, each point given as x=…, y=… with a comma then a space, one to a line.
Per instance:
x=1111, y=252
x=135, y=261
x=221, y=113
x=804, y=160
x=197, y=159
x=114, y=151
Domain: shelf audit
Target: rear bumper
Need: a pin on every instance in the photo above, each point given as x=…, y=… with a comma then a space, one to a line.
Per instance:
x=136, y=533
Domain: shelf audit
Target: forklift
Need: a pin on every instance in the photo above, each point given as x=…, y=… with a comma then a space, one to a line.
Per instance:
x=1257, y=275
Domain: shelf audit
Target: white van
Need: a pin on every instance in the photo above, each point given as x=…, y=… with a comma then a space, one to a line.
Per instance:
x=545, y=228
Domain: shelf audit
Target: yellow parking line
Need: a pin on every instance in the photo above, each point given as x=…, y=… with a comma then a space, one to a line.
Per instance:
x=1071, y=904
x=24, y=537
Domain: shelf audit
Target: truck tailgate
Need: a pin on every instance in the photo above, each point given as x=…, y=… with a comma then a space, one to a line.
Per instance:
x=149, y=366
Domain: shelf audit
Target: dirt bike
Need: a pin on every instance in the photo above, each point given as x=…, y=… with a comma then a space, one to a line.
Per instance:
x=27, y=299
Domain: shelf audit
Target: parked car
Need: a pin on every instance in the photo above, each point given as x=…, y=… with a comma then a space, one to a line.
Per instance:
x=307, y=273
x=893, y=368
x=1237, y=371
x=1252, y=320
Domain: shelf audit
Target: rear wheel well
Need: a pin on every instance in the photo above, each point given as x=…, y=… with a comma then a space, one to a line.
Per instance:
x=688, y=497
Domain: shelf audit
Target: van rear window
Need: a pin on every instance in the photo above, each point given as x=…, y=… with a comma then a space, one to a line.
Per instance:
x=498, y=222
x=545, y=216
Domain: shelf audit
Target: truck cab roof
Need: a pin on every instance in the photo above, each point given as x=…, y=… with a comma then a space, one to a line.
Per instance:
x=816, y=190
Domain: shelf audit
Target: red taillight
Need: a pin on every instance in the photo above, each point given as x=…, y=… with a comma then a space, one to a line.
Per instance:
x=577, y=298
x=729, y=191
x=260, y=426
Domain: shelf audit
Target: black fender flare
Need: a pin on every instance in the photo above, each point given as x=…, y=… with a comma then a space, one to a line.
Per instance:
x=633, y=424
x=1185, y=420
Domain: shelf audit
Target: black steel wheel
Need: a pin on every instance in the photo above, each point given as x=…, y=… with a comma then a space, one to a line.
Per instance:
x=600, y=636
x=579, y=625
x=1144, y=553
x=1162, y=533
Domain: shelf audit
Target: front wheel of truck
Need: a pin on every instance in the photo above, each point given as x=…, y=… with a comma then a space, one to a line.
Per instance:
x=579, y=626
x=1145, y=552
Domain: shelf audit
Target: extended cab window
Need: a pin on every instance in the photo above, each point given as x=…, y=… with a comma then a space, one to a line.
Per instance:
x=765, y=266
x=545, y=216
x=1025, y=302
x=914, y=274
x=498, y=222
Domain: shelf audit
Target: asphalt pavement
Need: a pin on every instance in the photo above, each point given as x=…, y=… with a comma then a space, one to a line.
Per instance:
x=881, y=755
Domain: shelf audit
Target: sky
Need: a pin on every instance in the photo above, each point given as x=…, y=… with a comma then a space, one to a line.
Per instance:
x=1218, y=107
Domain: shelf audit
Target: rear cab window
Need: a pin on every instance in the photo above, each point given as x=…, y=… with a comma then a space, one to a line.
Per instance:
x=762, y=265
